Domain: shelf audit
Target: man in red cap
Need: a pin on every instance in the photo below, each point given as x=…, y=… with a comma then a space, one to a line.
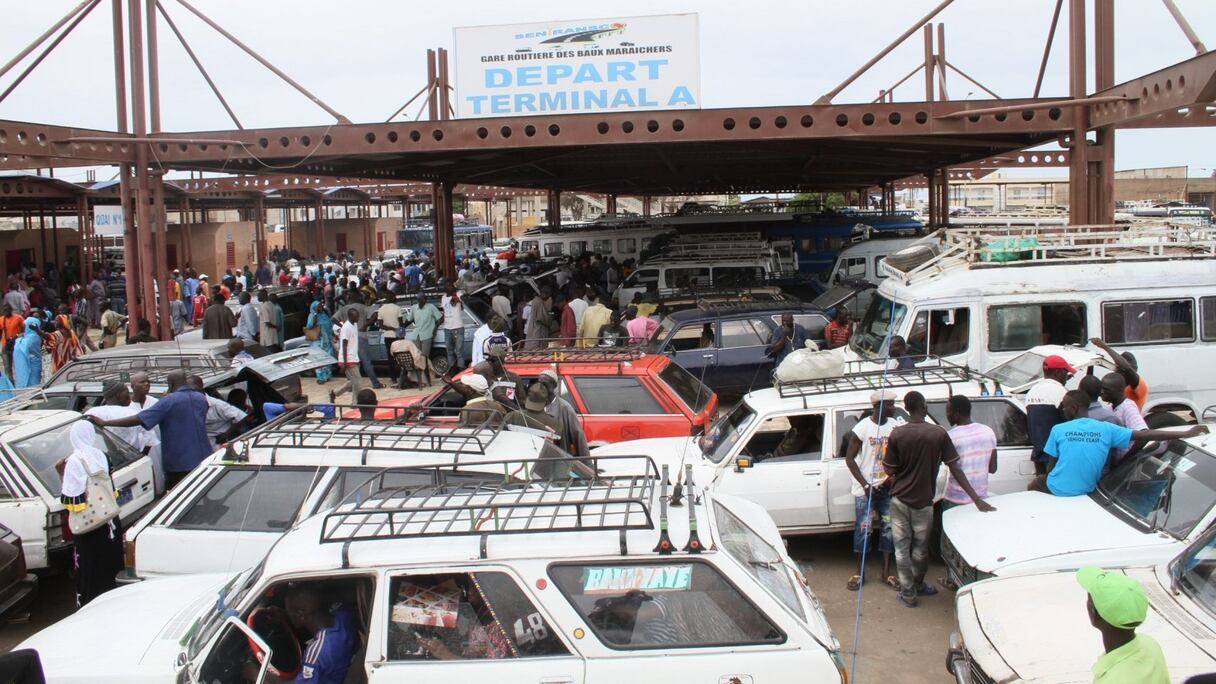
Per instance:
x=1043, y=406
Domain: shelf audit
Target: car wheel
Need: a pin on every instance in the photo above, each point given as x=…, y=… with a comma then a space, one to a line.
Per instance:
x=439, y=363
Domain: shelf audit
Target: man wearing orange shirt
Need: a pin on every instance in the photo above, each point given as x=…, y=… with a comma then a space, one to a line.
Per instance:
x=11, y=327
x=1125, y=365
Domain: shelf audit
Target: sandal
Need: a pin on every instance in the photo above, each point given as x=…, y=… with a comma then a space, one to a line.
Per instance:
x=947, y=583
x=855, y=583
x=926, y=589
x=893, y=582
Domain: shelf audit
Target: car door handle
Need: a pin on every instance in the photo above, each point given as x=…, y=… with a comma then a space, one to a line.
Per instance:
x=707, y=356
x=564, y=679
x=812, y=472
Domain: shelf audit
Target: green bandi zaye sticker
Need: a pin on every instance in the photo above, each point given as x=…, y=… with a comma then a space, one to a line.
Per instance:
x=620, y=579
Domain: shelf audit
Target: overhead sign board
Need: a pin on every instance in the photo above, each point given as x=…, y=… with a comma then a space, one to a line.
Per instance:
x=569, y=67
x=108, y=220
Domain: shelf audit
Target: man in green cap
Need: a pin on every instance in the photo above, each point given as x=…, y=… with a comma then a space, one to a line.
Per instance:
x=1117, y=605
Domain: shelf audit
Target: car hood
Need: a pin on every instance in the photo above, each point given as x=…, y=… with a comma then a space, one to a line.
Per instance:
x=1045, y=532
x=670, y=451
x=150, y=617
x=1060, y=645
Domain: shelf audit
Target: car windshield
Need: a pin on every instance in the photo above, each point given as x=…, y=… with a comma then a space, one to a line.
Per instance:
x=1170, y=491
x=226, y=599
x=45, y=449
x=870, y=336
x=758, y=557
x=691, y=390
x=1195, y=572
x=663, y=330
x=725, y=432
x=1020, y=370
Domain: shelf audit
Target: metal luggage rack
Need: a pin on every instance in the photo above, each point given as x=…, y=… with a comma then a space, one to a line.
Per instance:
x=21, y=399
x=296, y=429
x=773, y=292
x=784, y=303
x=566, y=354
x=1054, y=245
x=121, y=368
x=516, y=504
x=942, y=373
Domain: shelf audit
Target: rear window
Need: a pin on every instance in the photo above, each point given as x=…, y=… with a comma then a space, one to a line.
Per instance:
x=616, y=395
x=247, y=499
x=690, y=390
x=675, y=604
x=1005, y=419
x=42, y=451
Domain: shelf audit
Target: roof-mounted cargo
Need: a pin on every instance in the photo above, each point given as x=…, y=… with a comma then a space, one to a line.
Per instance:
x=963, y=248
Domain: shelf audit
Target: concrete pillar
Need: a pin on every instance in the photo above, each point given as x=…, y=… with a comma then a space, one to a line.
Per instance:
x=259, y=230
x=445, y=257
x=319, y=244
x=610, y=205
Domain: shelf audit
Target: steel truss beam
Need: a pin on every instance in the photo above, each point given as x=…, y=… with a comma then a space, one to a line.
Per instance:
x=1176, y=87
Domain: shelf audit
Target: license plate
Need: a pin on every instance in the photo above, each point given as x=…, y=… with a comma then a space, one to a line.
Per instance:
x=125, y=495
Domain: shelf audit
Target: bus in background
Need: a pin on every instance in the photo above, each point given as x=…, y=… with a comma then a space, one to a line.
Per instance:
x=470, y=238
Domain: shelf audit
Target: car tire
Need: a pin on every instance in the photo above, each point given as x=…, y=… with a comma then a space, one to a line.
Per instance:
x=910, y=257
x=439, y=362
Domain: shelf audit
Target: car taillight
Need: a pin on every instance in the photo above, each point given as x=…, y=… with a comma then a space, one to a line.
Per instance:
x=56, y=529
x=21, y=569
x=128, y=556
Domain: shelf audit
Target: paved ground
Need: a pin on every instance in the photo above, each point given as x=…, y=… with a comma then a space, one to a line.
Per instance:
x=897, y=644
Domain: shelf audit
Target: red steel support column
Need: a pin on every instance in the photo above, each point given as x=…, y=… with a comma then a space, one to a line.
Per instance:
x=646, y=205
x=1102, y=156
x=931, y=180
x=610, y=205
x=130, y=241
x=554, y=217
x=153, y=71
x=1078, y=170
x=259, y=229
x=85, y=255
x=929, y=62
x=445, y=257
x=186, y=217
x=161, y=245
x=143, y=190
x=367, y=230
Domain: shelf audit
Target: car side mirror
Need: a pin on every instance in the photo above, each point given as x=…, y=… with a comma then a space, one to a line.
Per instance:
x=742, y=463
x=255, y=639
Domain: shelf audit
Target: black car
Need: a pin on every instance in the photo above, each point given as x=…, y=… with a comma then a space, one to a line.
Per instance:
x=18, y=586
x=723, y=344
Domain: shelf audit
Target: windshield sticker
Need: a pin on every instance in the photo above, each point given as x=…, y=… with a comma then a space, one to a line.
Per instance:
x=620, y=579
x=1182, y=465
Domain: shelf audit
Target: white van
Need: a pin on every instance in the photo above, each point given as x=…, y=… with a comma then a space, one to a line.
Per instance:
x=232, y=508
x=620, y=242
x=687, y=272
x=860, y=261
x=558, y=582
x=1150, y=290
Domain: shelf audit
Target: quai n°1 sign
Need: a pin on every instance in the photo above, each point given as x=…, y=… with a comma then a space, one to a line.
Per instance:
x=568, y=67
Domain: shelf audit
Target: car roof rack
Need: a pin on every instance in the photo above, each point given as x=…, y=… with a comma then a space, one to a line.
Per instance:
x=776, y=304
x=21, y=399
x=120, y=368
x=965, y=248
x=566, y=354
x=298, y=429
x=517, y=504
x=943, y=372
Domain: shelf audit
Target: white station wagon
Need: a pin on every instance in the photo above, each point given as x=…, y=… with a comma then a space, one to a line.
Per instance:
x=810, y=492
x=1003, y=637
x=1145, y=510
x=520, y=580
x=232, y=508
x=31, y=443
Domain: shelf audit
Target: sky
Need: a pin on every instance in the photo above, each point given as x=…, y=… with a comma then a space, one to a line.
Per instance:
x=367, y=57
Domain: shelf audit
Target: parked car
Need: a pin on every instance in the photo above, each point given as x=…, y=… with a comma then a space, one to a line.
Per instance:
x=619, y=393
x=723, y=345
x=295, y=303
x=31, y=443
x=810, y=492
x=1145, y=510
x=18, y=586
x=993, y=644
x=272, y=377
x=188, y=355
x=230, y=510
x=550, y=596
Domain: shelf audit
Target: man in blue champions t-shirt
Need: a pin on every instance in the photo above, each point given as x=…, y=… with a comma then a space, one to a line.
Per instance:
x=326, y=657
x=1077, y=449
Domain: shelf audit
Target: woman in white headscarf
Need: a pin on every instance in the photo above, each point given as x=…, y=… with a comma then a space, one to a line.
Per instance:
x=97, y=554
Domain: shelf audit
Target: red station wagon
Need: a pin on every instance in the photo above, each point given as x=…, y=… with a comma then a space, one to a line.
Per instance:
x=620, y=394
